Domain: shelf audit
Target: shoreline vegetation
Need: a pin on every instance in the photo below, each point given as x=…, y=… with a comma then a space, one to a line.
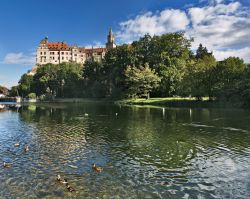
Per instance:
x=155, y=68
x=177, y=102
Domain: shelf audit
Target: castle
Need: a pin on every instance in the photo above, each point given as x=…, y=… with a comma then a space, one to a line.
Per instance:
x=59, y=52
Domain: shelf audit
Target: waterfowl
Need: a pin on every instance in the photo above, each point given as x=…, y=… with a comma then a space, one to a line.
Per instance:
x=61, y=180
x=7, y=165
x=96, y=168
x=70, y=189
x=86, y=114
x=26, y=149
x=17, y=144
x=116, y=114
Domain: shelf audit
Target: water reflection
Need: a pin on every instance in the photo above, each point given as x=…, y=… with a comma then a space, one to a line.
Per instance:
x=146, y=152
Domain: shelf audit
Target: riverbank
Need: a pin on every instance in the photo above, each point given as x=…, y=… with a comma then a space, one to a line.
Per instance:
x=164, y=102
x=179, y=102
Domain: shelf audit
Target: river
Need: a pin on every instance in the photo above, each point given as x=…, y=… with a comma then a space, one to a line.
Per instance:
x=145, y=152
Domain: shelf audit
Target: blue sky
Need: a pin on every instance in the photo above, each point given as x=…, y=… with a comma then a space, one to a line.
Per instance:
x=223, y=26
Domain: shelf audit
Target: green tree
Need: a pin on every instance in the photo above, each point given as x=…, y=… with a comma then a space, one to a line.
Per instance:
x=141, y=81
x=232, y=73
x=200, y=76
x=202, y=52
x=25, y=85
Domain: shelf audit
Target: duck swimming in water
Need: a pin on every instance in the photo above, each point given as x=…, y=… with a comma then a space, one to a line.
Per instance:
x=26, y=149
x=17, y=144
x=61, y=180
x=7, y=165
x=96, y=168
x=70, y=189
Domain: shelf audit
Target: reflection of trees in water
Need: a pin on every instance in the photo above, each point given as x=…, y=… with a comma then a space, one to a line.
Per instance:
x=62, y=130
x=172, y=137
x=56, y=137
x=157, y=141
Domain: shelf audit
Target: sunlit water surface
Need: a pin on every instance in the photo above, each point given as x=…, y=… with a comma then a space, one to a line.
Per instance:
x=145, y=152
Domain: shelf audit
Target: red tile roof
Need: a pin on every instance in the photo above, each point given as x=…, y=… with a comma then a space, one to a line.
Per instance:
x=58, y=46
x=92, y=50
x=64, y=46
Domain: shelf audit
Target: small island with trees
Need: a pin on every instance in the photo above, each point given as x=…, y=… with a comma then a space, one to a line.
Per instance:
x=162, y=67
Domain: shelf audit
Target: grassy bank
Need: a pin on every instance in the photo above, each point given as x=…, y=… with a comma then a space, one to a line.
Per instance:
x=177, y=102
x=165, y=102
x=79, y=100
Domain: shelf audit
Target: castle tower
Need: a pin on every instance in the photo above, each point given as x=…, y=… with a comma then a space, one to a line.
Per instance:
x=111, y=40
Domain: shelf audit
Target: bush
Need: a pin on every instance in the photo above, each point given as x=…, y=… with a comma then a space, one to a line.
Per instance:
x=32, y=95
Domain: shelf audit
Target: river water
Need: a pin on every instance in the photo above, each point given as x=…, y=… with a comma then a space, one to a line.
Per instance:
x=145, y=152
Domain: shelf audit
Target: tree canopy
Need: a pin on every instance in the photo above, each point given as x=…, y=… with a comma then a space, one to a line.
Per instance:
x=159, y=66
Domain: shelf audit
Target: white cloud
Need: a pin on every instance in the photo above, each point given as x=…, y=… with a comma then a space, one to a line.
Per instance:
x=168, y=20
x=96, y=44
x=19, y=58
x=222, y=28
x=242, y=53
x=212, y=2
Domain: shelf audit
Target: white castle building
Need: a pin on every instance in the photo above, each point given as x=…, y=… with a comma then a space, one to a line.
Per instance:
x=59, y=52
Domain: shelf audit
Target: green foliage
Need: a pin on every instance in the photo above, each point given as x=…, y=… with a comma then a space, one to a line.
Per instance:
x=162, y=66
x=202, y=52
x=141, y=81
x=58, y=80
x=200, y=76
x=32, y=96
x=25, y=85
x=14, y=91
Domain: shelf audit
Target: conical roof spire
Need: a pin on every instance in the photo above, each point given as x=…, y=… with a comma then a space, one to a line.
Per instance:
x=110, y=31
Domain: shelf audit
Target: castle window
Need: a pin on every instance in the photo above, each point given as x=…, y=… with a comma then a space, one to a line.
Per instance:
x=41, y=53
x=75, y=54
x=62, y=53
x=44, y=53
x=62, y=58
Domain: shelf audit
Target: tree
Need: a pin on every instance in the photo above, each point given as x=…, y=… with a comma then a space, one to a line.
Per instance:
x=94, y=84
x=231, y=69
x=202, y=52
x=200, y=75
x=141, y=81
x=25, y=85
x=233, y=75
x=14, y=91
x=115, y=62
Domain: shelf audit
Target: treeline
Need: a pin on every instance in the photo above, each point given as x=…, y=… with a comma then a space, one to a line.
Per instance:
x=159, y=66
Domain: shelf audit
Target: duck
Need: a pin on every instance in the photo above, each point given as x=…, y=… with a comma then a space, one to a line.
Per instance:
x=70, y=189
x=26, y=149
x=61, y=180
x=116, y=114
x=86, y=114
x=17, y=144
x=7, y=165
x=96, y=168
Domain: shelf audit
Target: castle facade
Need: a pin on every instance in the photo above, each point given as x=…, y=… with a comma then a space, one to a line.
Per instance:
x=59, y=52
